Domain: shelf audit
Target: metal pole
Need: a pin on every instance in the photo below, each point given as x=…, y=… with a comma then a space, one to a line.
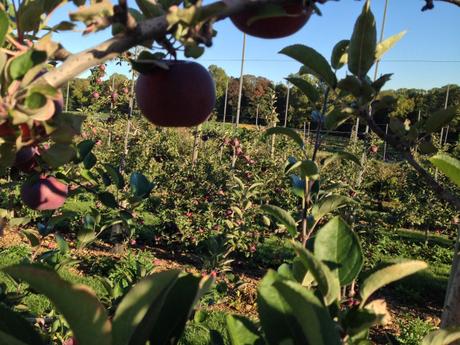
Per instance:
x=442, y=129
x=385, y=144
x=238, y=109
x=287, y=105
x=377, y=63
x=225, y=103
x=257, y=116
x=67, y=97
x=382, y=29
x=130, y=113
x=357, y=129
x=445, y=107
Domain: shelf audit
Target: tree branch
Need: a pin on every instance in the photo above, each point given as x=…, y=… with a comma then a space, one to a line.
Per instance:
x=394, y=141
x=430, y=5
x=453, y=2
x=147, y=30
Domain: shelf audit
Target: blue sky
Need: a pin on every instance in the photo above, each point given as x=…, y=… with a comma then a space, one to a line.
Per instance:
x=428, y=56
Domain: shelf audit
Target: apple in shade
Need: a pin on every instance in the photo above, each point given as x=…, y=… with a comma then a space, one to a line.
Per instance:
x=279, y=26
x=6, y=130
x=182, y=96
x=47, y=193
x=25, y=159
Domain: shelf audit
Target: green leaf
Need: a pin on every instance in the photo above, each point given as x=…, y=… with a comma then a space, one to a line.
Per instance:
x=342, y=155
x=388, y=275
x=336, y=117
x=149, y=8
x=62, y=244
x=83, y=149
x=108, y=199
x=147, y=62
x=22, y=63
x=89, y=161
x=58, y=154
x=298, y=185
x=307, y=167
x=141, y=308
x=32, y=236
x=29, y=14
x=358, y=320
x=86, y=234
x=304, y=86
x=337, y=244
x=72, y=301
x=14, y=325
x=115, y=175
x=175, y=311
x=292, y=133
x=7, y=339
x=140, y=186
x=442, y=336
x=339, y=55
x=317, y=325
x=35, y=100
x=448, y=165
x=328, y=283
x=313, y=60
x=387, y=44
x=380, y=82
x=283, y=217
x=276, y=317
x=427, y=148
x=193, y=51
x=18, y=221
x=4, y=26
x=329, y=204
x=439, y=119
x=363, y=43
x=350, y=84
x=242, y=331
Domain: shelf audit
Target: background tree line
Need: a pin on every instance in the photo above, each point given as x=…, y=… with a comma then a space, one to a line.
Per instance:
x=257, y=95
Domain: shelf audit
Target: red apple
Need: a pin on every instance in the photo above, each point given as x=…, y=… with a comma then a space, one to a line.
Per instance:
x=374, y=148
x=273, y=27
x=48, y=193
x=6, y=130
x=182, y=96
x=95, y=95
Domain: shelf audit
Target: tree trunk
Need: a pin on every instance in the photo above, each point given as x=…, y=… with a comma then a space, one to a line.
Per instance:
x=451, y=310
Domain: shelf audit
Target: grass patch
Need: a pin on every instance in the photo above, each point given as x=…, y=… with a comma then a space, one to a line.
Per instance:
x=203, y=332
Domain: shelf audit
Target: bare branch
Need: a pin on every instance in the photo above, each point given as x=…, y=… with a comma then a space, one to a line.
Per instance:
x=151, y=29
